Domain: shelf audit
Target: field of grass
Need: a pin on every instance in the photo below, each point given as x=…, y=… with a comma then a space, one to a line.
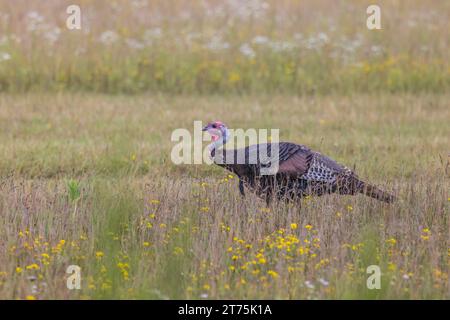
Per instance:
x=225, y=46
x=87, y=180
x=86, y=118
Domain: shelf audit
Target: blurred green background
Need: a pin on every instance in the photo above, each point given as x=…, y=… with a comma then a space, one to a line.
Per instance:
x=232, y=46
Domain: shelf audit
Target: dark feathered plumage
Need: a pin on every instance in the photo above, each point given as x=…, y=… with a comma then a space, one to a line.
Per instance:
x=301, y=171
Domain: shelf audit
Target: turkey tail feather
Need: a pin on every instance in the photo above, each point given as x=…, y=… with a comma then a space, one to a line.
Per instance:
x=374, y=192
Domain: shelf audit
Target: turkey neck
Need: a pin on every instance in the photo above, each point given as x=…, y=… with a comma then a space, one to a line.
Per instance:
x=218, y=143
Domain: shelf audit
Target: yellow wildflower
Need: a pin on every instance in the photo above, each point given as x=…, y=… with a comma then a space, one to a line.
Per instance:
x=273, y=274
x=392, y=266
x=234, y=77
x=391, y=241
x=33, y=266
x=178, y=251
x=45, y=255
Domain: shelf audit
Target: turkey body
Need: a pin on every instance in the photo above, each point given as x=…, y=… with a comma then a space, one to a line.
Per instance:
x=301, y=172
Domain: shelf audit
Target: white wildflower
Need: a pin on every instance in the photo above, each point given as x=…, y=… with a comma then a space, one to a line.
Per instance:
x=322, y=37
x=4, y=56
x=150, y=35
x=34, y=289
x=324, y=282
x=52, y=35
x=247, y=50
x=109, y=37
x=34, y=21
x=309, y=284
x=217, y=44
x=3, y=40
x=153, y=33
x=260, y=40
x=279, y=46
x=247, y=8
x=376, y=50
x=134, y=44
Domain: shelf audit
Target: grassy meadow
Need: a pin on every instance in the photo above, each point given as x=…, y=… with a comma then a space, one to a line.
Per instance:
x=86, y=177
x=88, y=180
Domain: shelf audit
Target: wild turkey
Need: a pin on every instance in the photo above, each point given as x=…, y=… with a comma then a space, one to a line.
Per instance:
x=301, y=171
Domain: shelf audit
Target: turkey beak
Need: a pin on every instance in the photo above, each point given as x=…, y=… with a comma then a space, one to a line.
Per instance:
x=205, y=128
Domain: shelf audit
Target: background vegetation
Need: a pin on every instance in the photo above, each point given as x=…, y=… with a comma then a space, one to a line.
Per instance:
x=85, y=171
x=229, y=46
